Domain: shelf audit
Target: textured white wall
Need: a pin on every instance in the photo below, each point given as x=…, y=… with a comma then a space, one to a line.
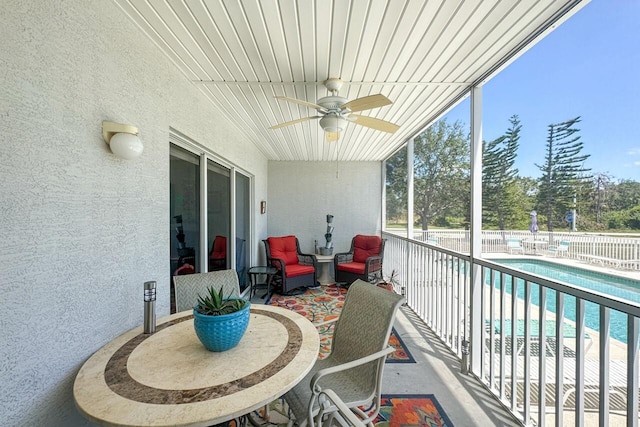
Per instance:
x=80, y=229
x=301, y=194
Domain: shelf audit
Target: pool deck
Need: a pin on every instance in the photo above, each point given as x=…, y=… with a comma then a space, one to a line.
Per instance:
x=630, y=274
x=617, y=349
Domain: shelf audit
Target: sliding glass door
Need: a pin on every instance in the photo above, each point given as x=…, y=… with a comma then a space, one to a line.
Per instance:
x=210, y=208
x=184, y=208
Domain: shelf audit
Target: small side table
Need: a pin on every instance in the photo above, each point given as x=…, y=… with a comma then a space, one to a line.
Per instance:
x=254, y=271
x=324, y=265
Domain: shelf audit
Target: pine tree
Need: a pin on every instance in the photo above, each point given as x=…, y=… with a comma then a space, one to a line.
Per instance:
x=499, y=177
x=563, y=173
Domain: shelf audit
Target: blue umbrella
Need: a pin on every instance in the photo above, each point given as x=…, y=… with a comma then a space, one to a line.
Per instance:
x=534, y=222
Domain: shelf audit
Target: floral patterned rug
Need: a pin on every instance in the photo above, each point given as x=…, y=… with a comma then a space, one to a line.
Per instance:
x=419, y=410
x=323, y=304
x=397, y=410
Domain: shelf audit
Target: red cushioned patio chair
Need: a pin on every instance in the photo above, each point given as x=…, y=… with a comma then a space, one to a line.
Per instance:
x=363, y=261
x=295, y=269
x=218, y=254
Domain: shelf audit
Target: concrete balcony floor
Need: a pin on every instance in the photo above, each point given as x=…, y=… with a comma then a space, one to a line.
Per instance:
x=437, y=371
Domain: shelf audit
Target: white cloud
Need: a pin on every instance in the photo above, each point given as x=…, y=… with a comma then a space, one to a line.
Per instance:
x=634, y=152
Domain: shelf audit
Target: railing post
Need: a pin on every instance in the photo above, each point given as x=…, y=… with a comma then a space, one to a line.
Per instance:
x=633, y=327
x=604, y=331
x=410, y=293
x=410, y=189
x=465, y=357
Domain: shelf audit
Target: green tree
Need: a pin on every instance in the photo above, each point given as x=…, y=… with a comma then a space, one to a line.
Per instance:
x=563, y=172
x=499, y=189
x=441, y=171
x=628, y=219
x=626, y=195
x=624, y=204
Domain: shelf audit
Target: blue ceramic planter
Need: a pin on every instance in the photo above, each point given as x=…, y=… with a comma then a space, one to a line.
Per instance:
x=220, y=333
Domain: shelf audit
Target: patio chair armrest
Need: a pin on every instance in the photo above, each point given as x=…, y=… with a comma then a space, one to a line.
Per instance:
x=345, y=366
x=277, y=263
x=373, y=263
x=308, y=259
x=343, y=257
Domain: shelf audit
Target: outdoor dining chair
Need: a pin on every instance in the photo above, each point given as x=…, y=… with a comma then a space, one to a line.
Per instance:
x=187, y=288
x=353, y=369
x=334, y=412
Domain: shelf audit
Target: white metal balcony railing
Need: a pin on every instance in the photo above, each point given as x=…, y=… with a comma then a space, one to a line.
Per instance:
x=526, y=347
x=614, y=251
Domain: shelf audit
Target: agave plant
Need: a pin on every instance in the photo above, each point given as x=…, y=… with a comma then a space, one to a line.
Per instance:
x=215, y=304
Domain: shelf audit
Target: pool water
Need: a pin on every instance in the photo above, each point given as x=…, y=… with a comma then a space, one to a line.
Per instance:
x=605, y=283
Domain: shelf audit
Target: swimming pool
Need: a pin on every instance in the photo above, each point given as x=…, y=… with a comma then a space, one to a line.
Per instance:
x=621, y=287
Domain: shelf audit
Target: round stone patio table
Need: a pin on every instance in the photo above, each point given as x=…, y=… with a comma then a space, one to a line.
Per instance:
x=169, y=378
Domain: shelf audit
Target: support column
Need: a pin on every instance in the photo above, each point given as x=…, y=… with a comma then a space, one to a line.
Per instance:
x=408, y=269
x=476, y=323
x=383, y=214
x=410, y=189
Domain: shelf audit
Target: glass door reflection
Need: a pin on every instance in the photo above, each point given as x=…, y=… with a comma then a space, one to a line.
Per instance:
x=242, y=228
x=184, y=206
x=218, y=215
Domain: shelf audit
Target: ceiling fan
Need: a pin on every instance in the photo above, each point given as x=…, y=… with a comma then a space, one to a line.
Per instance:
x=336, y=112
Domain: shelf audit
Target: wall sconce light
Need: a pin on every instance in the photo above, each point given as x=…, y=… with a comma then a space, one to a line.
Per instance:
x=263, y=207
x=122, y=139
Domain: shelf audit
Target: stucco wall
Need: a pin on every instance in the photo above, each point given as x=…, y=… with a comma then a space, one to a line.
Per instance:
x=82, y=230
x=301, y=194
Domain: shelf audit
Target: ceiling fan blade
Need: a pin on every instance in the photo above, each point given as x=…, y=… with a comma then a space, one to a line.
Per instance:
x=332, y=136
x=367, y=103
x=293, y=122
x=374, y=123
x=301, y=102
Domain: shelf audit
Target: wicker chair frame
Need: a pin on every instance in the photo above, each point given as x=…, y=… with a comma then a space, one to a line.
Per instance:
x=372, y=266
x=288, y=284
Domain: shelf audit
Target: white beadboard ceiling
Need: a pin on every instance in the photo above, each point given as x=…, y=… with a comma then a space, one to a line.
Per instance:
x=423, y=55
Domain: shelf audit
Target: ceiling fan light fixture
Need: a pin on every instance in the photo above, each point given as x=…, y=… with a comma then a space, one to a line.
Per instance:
x=335, y=111
x=333, y=123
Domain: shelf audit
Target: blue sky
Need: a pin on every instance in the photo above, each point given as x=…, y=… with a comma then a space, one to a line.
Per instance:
x=588, y=67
